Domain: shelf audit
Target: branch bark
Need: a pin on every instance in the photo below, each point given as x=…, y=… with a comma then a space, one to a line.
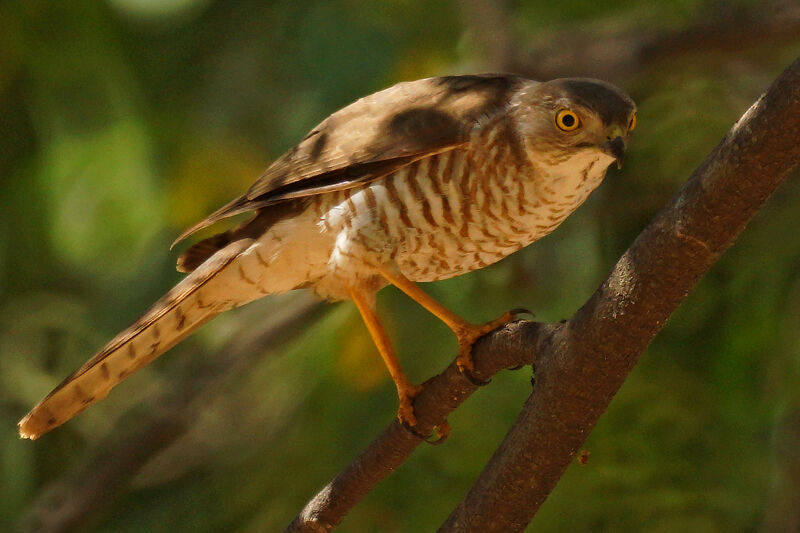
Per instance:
x=581, y=364
x=508, y=347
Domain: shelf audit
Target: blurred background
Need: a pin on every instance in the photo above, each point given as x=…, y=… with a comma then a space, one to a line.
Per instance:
x=124, y=121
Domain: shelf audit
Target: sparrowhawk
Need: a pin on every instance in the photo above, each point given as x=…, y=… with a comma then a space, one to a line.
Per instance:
x=422, y=181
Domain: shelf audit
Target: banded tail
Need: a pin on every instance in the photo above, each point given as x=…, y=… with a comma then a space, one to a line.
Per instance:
x=212, y=288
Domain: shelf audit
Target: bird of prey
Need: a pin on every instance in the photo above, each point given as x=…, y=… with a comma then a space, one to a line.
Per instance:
x=422, y=181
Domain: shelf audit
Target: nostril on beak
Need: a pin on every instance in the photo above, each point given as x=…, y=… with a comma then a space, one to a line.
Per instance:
x=614, y=132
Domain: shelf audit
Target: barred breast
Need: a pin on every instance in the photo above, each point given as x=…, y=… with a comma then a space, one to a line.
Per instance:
x=453, y=212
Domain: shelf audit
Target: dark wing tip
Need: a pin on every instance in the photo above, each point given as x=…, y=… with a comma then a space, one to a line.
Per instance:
x=234, y=207
x=196, y=254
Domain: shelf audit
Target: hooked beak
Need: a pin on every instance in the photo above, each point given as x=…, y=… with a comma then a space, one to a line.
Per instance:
x=615, y=148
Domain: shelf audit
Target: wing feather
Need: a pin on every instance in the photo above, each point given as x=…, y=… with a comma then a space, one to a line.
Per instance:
x=376, y=136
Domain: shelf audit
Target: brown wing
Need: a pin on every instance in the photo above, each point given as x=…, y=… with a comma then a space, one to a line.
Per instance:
x=199, y=252
x=376, y=136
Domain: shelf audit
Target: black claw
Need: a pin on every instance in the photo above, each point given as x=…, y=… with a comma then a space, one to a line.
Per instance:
x=434, y=438
x=533, y=376
x=516, y=367
x=442, y=431
x=413, y=431
x=522, y=311
x=472, y=379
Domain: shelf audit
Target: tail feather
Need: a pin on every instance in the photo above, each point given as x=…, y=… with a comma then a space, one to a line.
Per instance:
x=182, y=310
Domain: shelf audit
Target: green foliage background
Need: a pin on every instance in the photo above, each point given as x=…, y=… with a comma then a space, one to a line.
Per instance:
x=123, y=121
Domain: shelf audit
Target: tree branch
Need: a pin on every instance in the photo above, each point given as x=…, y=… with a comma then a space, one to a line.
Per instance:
x=581, y=367
x=581, y=364
x=507, y=347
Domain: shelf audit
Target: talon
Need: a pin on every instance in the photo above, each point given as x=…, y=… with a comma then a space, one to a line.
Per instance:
x=468, y=335
x=414, y=432
x=472, y=379
x=405, y=411
x=442, y=431
x=502, y=320
x=522, y=311
x=464, y=360
x=408, y=420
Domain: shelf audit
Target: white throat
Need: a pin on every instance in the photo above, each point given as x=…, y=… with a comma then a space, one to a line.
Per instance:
x=577, y=176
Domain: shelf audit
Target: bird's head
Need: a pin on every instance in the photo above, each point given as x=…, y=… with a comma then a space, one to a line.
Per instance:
x=560, y=118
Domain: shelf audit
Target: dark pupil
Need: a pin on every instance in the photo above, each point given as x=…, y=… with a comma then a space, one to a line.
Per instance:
x=568, y=120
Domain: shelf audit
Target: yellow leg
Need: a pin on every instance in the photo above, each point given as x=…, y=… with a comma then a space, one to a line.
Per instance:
x=466, y=332
x=405, y=390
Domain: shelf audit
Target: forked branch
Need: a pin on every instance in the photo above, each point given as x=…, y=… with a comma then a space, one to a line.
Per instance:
x=580, y=365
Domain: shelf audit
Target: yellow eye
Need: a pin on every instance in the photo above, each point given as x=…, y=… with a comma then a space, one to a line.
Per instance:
x=567, y=120
x=632, y=123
